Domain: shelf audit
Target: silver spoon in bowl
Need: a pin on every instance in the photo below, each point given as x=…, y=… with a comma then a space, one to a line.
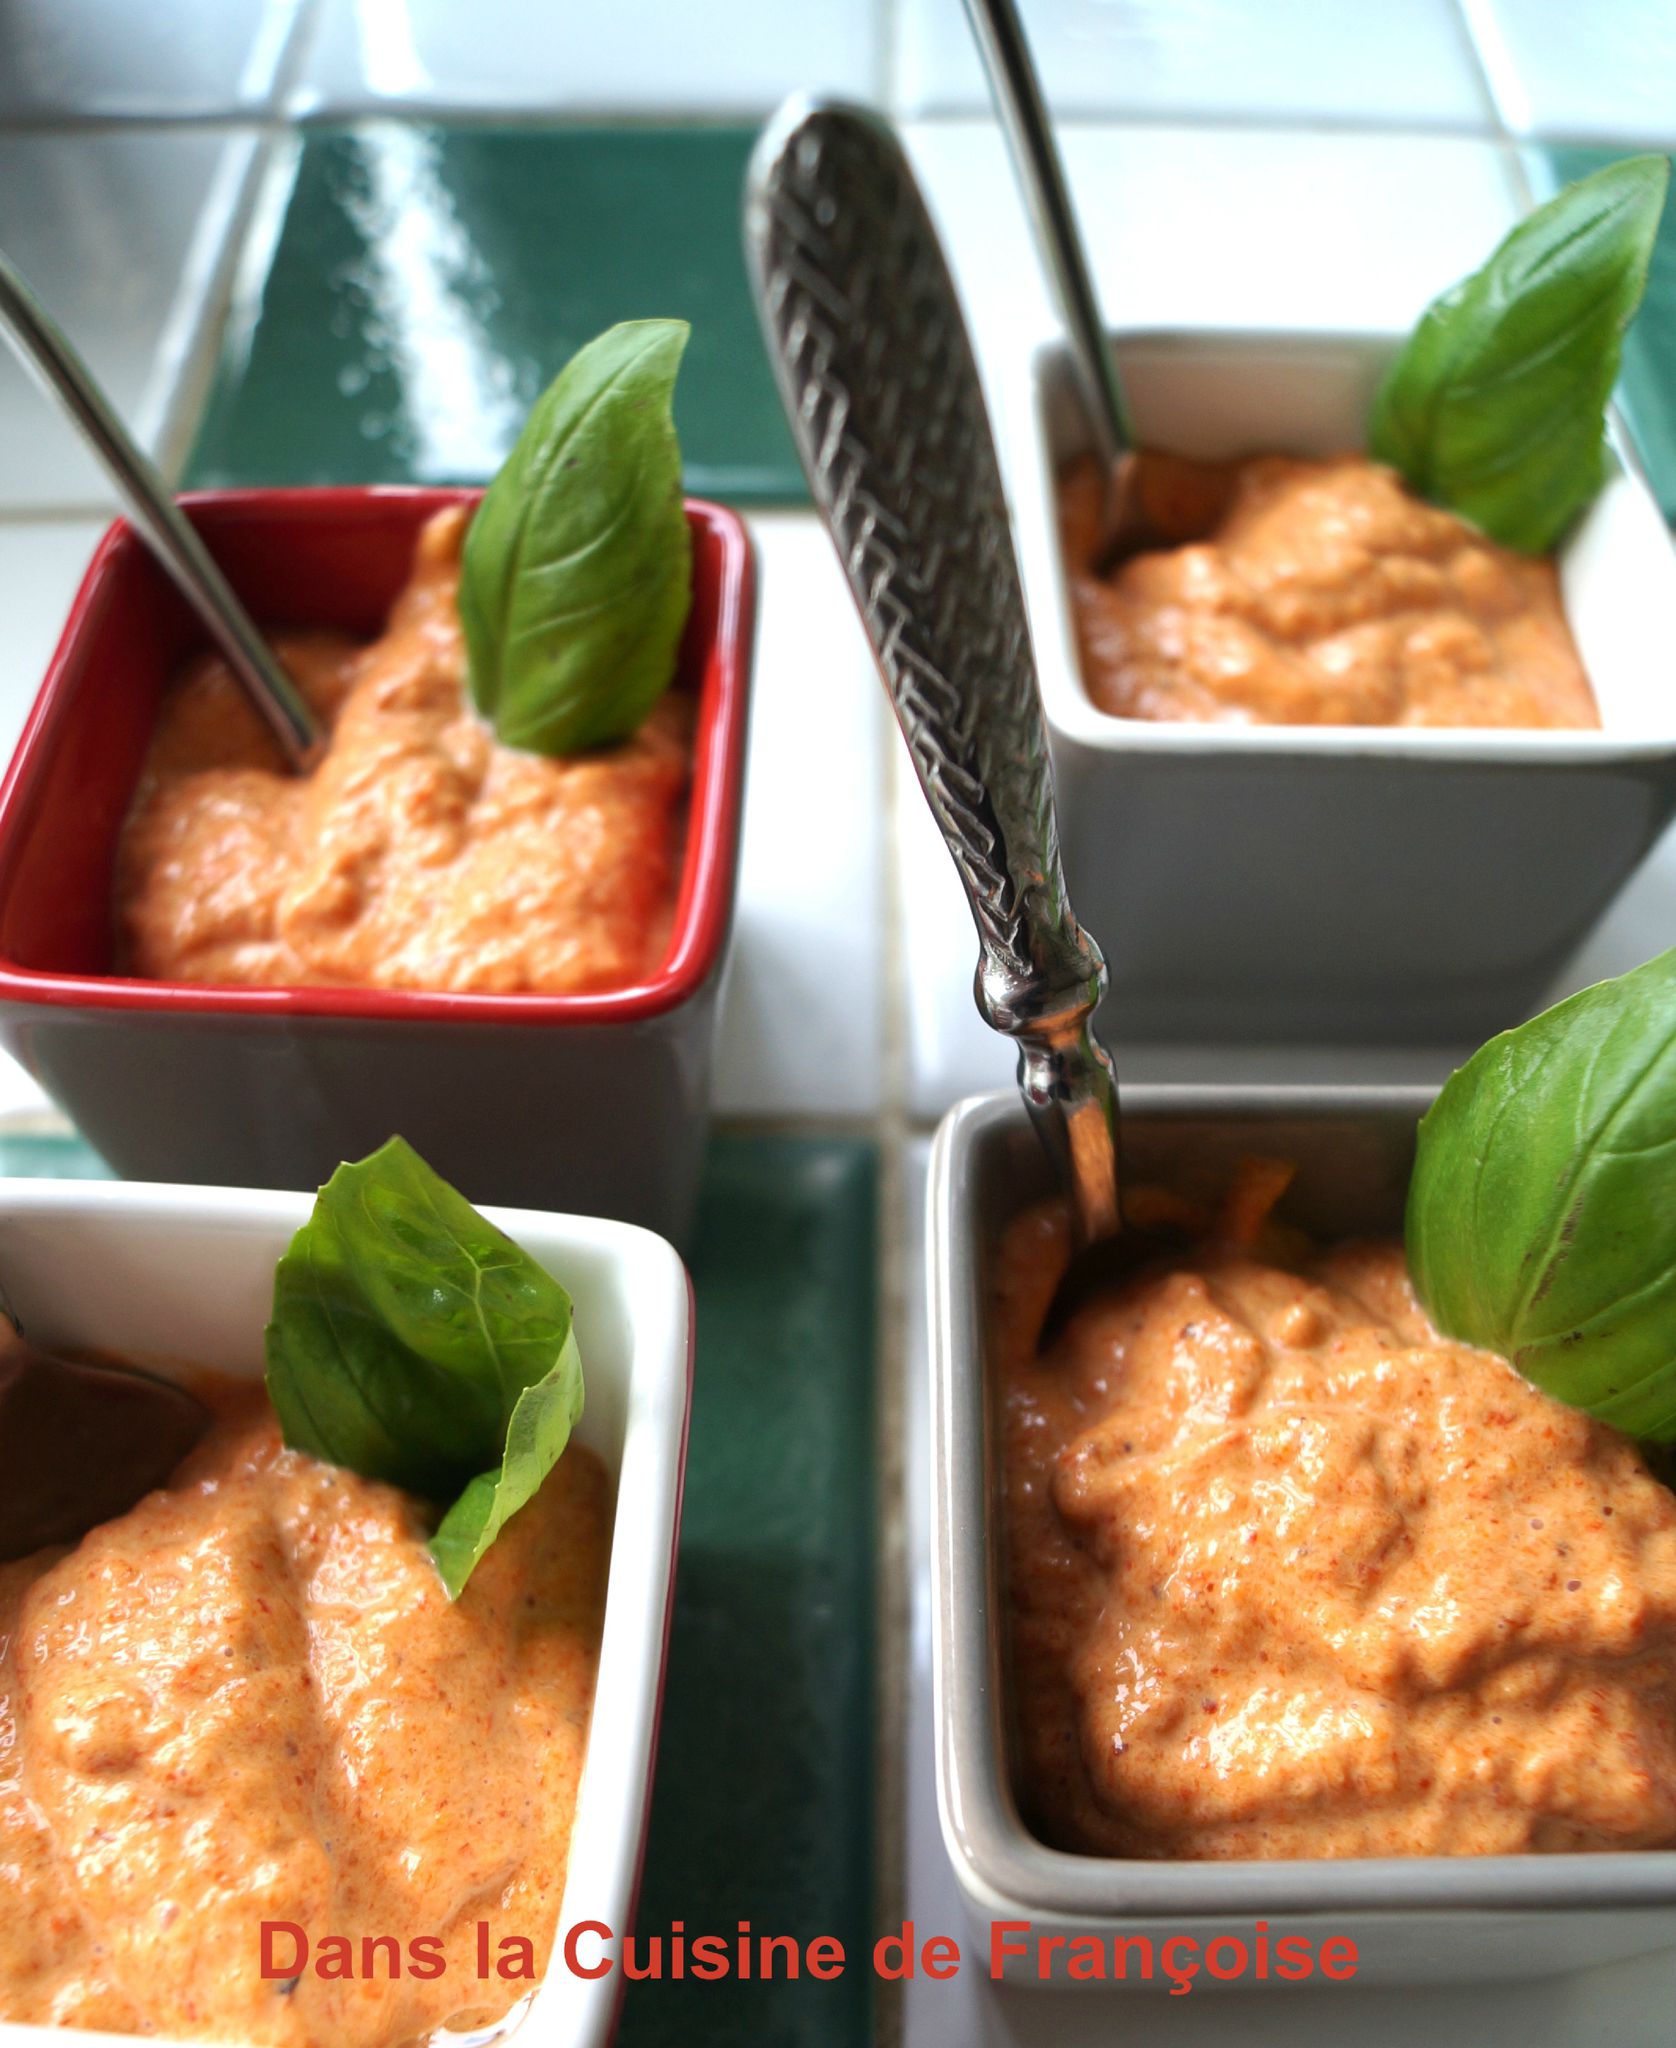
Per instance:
x=875, y=367
x=47, y=355
x=1017, y=92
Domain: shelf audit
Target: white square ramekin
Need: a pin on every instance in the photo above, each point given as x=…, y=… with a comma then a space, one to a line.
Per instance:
x=1344, y=882
x=185, y=1275
x=1419, y=1920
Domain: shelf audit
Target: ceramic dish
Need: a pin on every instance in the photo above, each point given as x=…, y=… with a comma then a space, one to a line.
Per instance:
x=590, y=1102
x=1413, y=1919
x=186, y=1273
x=1371, y=883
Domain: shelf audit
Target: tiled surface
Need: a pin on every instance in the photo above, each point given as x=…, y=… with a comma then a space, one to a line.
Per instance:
x=1399, y=61
x=533, y=57
x=1648, y=384
x=404, y=289
x=1586, y=69
x=762, y=1810
x=161, y=59
x=423, y=284
x=41, y=562
x=124, y=236
x=803, y=1025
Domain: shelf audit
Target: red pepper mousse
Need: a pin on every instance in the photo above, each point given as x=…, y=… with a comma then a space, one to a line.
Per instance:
x=1315, y=593
x=420, y=853
x=1291, y=1575
x=250, y=1700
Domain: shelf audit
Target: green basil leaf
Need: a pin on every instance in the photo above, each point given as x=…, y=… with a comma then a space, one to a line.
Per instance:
x=1496, y=406
x=1542, y=1211
x=413, y=1342
x=576, y=576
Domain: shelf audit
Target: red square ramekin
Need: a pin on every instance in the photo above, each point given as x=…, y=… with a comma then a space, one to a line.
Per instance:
x=593, y=1103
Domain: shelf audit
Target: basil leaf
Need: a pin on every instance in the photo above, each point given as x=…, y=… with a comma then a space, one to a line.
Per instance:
x=1542, y=1211
x=1496, y=406
x=576, y=576
x=413, y=1342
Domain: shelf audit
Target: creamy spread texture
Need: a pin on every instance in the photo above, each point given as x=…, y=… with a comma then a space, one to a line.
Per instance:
x=250, y=1699
x=419, y=853
x=1316, y=593
x=1290, y=1575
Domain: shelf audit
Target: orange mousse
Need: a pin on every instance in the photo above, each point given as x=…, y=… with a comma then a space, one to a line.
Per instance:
x=420, y=853
x=250, y=1699
x=1289, y=1574
x=1315, y=593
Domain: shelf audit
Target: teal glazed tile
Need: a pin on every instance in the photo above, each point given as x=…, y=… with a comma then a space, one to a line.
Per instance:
x=426, y=282
x=47, y=1156
x=1647, y=385
x=763, y=1805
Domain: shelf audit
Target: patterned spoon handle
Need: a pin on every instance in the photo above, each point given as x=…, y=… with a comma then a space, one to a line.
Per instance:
x=876, y=370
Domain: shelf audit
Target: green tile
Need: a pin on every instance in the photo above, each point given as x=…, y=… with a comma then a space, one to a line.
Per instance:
x=764, y=1796
x=27, y=1157
x=1647, y=385
x=764, y=1803
x=426, y=282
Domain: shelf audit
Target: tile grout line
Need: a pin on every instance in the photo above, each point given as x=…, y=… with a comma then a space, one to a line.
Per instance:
x=896, y=1232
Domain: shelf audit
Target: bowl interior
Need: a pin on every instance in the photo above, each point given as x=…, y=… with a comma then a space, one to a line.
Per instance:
x=1225, y=396
x=327, y=559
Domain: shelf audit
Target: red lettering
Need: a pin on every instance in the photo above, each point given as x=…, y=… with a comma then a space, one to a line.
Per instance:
x=1181, y=1979
x=826, y=1958
x=893, y=1955
x=299, y=1942
x=517, y=1958
x=1347, y=1952
x=1123, y=1944
x=425, y=1956
x=1086, y=1959
x=1237, y=1968
x=641, y=1970
x=709, y=1957
x=572, y=1949
x=1293, y=1959
x=337, y=1950
x=1002, y=1950
x=940, y=1958
x=1262, y=1948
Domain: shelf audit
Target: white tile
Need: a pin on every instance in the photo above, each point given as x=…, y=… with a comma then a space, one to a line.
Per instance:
x=1382, y=60
x=125, y=237
x=40, y=566
x=1590, y=69
x=801, y=1030
x=529, y=56
x=41, y=563
x=164, y=59
x=1184, y=227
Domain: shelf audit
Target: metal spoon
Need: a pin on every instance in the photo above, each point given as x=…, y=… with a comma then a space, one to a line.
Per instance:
x=80, y=1443
x=876, y=370
x=47, y=355
x=1017, y=93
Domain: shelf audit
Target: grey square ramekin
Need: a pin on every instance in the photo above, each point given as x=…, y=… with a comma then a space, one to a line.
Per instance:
x=1413, y=1919
x=1350, y=883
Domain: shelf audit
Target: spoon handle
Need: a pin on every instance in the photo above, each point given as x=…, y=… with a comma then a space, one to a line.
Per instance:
x=866, y=337
x=1017, y=93
x=46, y=353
